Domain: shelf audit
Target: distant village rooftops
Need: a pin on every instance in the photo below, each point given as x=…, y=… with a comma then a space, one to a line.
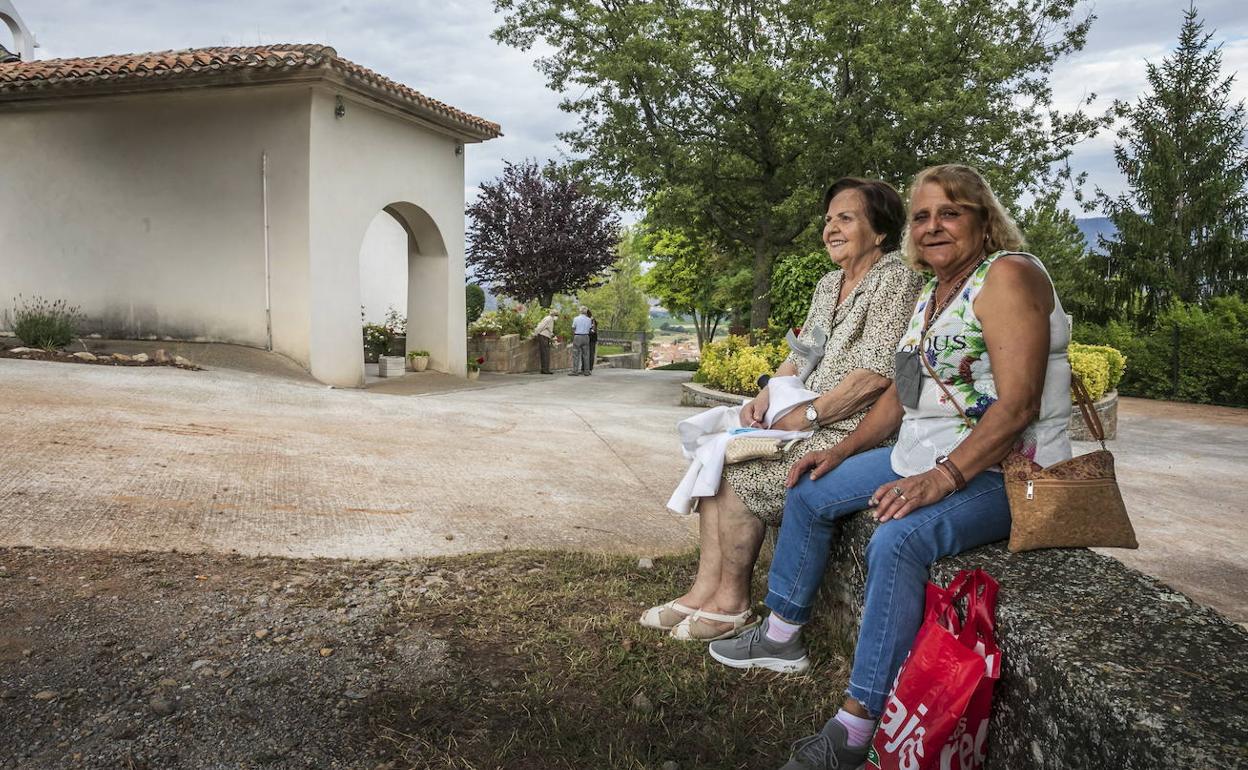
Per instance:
x=205, y=67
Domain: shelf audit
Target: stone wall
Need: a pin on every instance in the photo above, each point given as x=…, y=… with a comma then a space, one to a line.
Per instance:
x=509, y=353
x=1104, y=667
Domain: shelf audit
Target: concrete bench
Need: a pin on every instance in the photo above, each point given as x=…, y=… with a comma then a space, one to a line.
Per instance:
x=1104, y=667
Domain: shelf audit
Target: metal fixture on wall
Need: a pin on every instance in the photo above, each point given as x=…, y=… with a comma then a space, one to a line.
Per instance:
x=459, y=149
x=340, y=108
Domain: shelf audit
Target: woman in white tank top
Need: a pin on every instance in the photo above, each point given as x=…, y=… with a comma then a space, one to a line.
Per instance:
x=992, y=330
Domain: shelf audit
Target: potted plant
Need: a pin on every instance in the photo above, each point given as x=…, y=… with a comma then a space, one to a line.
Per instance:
x=418, y=360
x=474, y=367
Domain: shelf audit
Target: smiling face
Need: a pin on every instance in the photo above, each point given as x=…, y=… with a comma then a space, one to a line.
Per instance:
x=947, y=235
x=847, y=232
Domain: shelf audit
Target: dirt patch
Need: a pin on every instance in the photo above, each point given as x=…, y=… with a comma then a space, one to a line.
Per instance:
x=516, y=660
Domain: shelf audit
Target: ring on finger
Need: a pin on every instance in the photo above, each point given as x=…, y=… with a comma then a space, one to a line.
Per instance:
x=897, y=491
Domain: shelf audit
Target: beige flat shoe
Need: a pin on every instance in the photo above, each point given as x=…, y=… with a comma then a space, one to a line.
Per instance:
x=665, y=616
x=695, y=629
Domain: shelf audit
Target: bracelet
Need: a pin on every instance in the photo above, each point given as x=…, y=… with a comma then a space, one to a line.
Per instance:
x=959, y=481
x=949, y=476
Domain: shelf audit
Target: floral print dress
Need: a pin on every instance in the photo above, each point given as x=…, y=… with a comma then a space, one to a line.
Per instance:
x=862, y=334
x=955, y=349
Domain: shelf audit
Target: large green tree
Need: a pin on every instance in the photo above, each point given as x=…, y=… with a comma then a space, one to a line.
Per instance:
x=1181, y=223
x=618, y=299
x=738, y=112
x=691, y=277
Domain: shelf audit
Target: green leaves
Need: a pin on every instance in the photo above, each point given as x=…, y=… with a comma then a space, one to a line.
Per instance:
x=738, y=115
x=1181, y=224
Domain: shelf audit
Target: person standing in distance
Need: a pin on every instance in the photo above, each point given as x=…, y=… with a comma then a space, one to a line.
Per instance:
x=580, y=343
x=544, y=334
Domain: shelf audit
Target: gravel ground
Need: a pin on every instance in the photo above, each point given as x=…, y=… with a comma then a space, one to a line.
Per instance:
x=175, y=660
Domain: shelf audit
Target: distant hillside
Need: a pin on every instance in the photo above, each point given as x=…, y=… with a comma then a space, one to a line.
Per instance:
x=1094, y=227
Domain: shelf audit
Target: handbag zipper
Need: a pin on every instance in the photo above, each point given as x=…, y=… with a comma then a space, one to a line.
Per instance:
x=1031, y=485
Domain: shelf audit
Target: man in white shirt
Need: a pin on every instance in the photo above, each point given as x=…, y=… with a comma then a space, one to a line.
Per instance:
x=580, y=343
x=544, y=333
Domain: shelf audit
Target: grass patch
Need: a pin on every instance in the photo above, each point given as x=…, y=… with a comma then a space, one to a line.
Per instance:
x=680, y=366
x=550, y=669
x=611, y=350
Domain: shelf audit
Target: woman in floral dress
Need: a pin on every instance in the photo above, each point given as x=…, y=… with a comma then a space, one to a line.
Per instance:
x=861, y=309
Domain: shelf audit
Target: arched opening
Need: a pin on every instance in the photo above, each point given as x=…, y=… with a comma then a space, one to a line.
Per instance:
x=404, y=265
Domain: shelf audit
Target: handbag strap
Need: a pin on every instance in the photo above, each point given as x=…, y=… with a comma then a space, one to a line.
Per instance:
x=1082, y=399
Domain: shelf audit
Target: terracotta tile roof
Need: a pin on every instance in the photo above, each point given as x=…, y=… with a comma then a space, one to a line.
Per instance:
x=191, y=67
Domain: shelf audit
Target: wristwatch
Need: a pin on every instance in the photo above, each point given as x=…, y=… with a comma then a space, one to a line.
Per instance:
x=812, y=415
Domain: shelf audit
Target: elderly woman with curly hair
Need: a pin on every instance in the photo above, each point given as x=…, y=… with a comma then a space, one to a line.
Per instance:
x=859, y=311
x=988, y=325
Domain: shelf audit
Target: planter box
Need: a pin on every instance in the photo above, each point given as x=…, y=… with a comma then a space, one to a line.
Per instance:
x=1106, y=409
x=390, y=366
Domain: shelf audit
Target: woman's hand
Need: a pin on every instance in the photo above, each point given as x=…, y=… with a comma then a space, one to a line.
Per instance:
x=818, y=463
x=915, y=492
x=794, y=419
x=754, y=412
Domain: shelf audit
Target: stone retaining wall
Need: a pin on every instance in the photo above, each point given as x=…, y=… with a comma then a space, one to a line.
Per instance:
x=509, y=353
x=695, y=394
x=1104, y=667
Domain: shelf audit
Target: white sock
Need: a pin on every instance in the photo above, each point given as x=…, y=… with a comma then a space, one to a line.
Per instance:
x=779, y=630
x=859, y=729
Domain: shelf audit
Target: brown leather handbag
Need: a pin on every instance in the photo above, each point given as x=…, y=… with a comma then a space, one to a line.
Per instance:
x=1075, y=503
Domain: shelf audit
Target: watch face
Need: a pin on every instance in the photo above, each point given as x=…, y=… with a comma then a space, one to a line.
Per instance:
x=811, y=414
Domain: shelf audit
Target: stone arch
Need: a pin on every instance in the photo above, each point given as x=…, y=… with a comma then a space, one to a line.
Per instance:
x=428, y=276
x=23, y=41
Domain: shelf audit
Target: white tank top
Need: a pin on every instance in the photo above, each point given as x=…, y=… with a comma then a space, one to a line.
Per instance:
x=955, y=348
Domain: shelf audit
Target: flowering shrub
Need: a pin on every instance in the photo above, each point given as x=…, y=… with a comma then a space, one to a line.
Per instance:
x=43, y=324
x=376, y=340
x=508, y=319
x=474, y=364
x=1092, y=368
x=1114, y=358
x=734, y=365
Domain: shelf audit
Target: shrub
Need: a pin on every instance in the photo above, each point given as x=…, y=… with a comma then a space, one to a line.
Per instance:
x=43, y=324
x=734, y=365
x=377, y=340
x=509, y=319
x=474, y=301
x=1193, y=353
x=1091, y=367
x=1114, y=359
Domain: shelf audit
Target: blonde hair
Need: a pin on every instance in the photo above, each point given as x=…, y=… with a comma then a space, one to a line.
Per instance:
x=967, y=187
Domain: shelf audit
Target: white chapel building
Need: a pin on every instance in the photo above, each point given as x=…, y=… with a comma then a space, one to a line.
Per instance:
x=222, y=194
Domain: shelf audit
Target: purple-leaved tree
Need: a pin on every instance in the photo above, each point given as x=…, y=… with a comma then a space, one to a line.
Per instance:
x=535, y=232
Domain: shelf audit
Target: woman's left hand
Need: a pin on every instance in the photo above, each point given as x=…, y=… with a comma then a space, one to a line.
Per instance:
x=915, y=492
x=794, y=419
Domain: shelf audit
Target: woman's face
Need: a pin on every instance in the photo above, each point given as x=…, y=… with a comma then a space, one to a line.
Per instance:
x=847, y=233
x=947, y=235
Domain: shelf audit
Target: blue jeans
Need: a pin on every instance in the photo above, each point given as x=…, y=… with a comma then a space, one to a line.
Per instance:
x=898, y=557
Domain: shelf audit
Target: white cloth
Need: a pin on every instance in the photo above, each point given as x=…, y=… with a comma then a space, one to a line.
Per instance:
x=784, y=395
x=582, y=324
x=545, y=327
x=703, y=439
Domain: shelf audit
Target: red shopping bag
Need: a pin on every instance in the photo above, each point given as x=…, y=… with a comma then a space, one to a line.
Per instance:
x=937, y=714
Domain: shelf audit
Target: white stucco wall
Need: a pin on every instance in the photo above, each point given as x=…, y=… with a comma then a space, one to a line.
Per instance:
x=147, y=212
x=362, y=163
x=383, y=268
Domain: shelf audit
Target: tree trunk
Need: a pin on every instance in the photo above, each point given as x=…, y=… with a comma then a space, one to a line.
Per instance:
x=698, y=322
x=545, y=300
x=760, y=299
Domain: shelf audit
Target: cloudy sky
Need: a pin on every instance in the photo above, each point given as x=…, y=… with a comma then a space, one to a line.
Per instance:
x=443, y=49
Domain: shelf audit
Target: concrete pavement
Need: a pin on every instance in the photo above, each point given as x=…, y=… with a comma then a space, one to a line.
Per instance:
x=262, y=460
